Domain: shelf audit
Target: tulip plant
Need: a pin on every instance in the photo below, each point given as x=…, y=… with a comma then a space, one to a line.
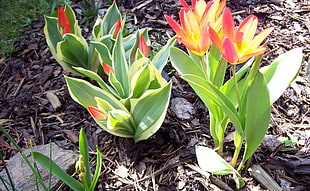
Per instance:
x=212, y=40
x=134, y=101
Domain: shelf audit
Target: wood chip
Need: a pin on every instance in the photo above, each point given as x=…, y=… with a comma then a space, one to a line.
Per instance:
x=264, y=178
x=54, y=100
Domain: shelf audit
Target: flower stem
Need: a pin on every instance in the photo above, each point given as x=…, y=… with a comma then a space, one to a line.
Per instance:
x=236, y=84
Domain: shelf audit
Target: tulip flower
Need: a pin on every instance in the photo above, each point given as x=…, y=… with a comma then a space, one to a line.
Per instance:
x=63, y=21
x=194, y=22
x=118, y=27
x=239, y=45
x=142, y=46
x=107, y=68
x=97, y=113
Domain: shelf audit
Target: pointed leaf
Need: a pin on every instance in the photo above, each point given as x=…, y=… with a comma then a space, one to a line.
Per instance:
x=206, y=91
x=161, y=58
x=183, y=63
x=282, y=72
x=83, y=147
x=112, y=15
x=258, y=114
x=46, y=163
x=74, y=51
x=149, y=111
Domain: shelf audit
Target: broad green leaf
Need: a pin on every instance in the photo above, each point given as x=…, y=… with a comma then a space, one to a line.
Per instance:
x=183, y=63
x=282, y=72
x=210, y=161
x=257, y=114
x=122, y=122
x=83, y=147
x=45, y=162
x=106, y=40
x=52, y=33
x=85, y=93
x=206, y=91
x=74, y=51
x=120, y=64
x=110, y=18
x=141, y=81
x=103, y=51
x=93, y=58
x=149, y=111
x=128, y=43
x=161, y=58
x=97, y=32
x=94, y=76
x=117, y=86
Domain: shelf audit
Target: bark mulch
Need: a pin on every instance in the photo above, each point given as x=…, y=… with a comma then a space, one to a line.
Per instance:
x=31, y=80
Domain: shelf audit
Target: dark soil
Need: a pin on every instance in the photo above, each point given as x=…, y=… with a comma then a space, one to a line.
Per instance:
x=167, y=160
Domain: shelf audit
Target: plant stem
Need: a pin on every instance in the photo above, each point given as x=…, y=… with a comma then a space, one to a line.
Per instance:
x=203, y=67
x=236, y=84
x=238, y=139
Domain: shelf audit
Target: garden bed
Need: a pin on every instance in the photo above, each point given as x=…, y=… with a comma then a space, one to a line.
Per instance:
x=166, y=161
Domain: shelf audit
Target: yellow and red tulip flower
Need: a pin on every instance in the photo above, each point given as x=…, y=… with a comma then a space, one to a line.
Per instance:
x=142, y=46
x=107, y=68
x=63, y=21
x=97, y=113
x=239, y=45
x=194, y=22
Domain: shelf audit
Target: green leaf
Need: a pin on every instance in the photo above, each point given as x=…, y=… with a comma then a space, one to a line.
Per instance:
x=74, y=51
x=257, y=115
x=210, y=161
x=97, y=171
x=83, y=147
x=120, y=64
x=52, y=33
x=94, y=76
x=134, y=48
x=45, y=162
x=85, y=93
x=282, y=72
x=214, y=55
x=103, y=51
x=183, y=63
x=110, y=18
x=161, y=58
x=97, y=32
x=140, y=82
x=121, y=122
x=206, y=91
x=149, y=111
x=73, y=22
x=117, y=86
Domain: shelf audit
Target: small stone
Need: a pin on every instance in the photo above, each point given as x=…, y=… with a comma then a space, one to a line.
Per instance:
x=22, y=176
x=182, y=108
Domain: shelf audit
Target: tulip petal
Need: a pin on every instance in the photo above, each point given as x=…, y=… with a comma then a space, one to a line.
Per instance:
x=143, y=46
x=215, y=38
x=175, y=26
x=258, y=39
x=183, y=2
x=257, y=52
x=248, y=28
x=229, y=51
x=228, y=24
x=107, y=68
x=97, y=113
